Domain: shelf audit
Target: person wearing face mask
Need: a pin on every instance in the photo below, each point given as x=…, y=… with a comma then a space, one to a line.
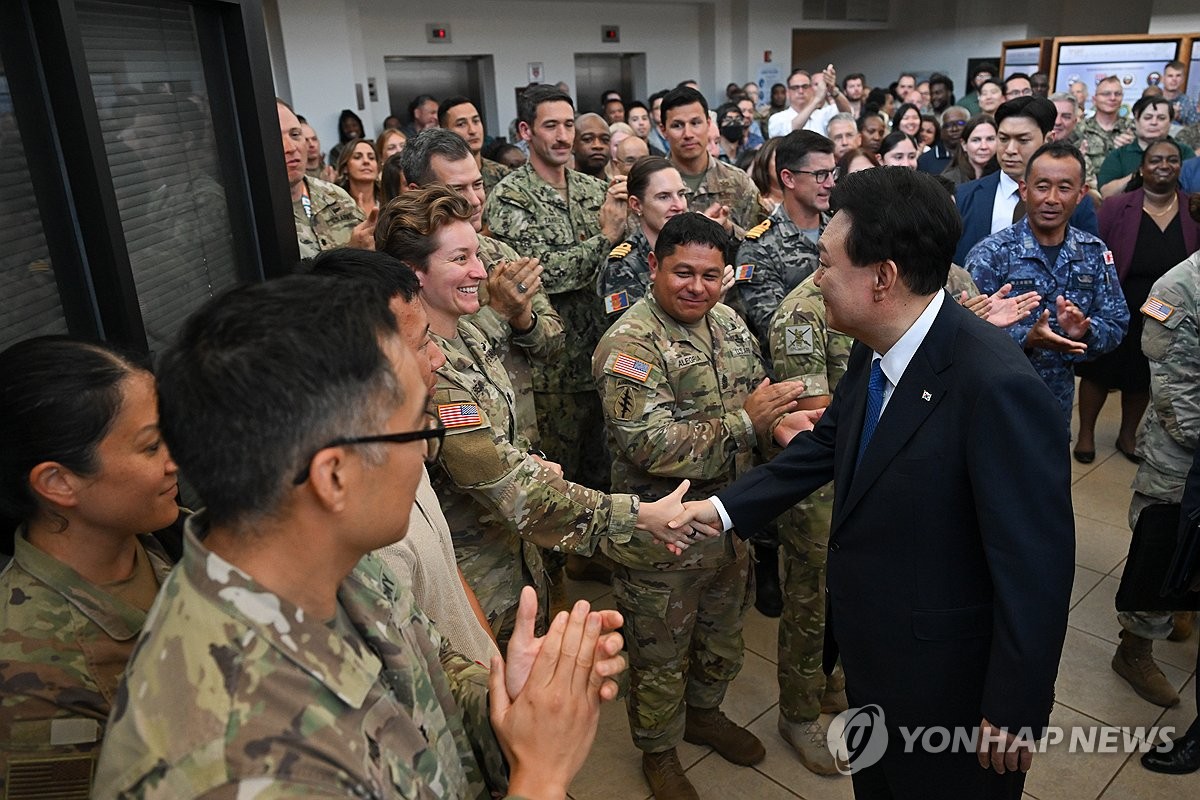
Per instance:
x=1152, y=122
x=732, y=127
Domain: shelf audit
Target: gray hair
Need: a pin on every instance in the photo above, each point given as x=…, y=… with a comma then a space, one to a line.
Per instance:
x=1064, y=97
x=421, y=149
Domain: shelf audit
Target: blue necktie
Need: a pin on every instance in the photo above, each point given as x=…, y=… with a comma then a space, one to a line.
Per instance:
x=874, y=407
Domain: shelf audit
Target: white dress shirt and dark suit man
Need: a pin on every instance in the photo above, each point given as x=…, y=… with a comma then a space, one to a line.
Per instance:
x=952, y=545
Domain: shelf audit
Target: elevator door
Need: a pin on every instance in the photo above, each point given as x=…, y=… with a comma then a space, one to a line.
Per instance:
x=596, y=73
x=442, y=77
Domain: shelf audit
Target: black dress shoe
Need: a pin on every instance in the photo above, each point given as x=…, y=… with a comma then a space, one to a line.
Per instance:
x=1180, y=757
x=1084, y=456
x=1132, y=456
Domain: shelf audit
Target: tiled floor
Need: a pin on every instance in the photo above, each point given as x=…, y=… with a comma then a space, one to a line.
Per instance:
x=1088, y=692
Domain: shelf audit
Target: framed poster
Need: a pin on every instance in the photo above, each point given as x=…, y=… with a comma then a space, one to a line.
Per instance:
x=1023, y=55
x=1137, y=60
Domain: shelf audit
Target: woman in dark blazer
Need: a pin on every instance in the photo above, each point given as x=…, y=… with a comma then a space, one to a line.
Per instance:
x=1149, y=231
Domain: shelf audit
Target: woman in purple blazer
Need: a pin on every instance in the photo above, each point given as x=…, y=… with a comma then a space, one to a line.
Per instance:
x=1149, y=231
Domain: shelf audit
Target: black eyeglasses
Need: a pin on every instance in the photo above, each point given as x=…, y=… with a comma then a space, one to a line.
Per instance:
x=432, y=435
x=819, y=175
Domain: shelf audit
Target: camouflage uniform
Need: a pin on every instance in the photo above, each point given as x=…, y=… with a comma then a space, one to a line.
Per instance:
x=233, y=691
x=672, y=397
x=805, y=349
x=334, y=217
x=625, y=279
x=542, y=344
x=493, y=172
x=527, y=214
x=960, y=281
x=732, y=187
x=1170, y=429
x=1084, y=274
x=772, y=261
x=499, y=502
x=1096, y=143
x=64, y=644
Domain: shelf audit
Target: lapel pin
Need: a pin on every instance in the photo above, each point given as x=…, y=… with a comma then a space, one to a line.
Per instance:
x=926, y=396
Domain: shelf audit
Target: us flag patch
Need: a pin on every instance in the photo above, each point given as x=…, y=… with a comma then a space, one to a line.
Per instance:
x=631, y=367
x=744, y=272
x=1156, y=309
x=616, y=302
x=458, y=415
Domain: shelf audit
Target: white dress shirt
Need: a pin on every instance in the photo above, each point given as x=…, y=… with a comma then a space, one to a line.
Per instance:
x=893, y=363
x=1007, y=195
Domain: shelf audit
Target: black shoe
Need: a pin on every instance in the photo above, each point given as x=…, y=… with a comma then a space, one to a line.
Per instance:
x=1129, y=454
x=768, y=597
x=1084, y=456
x=1180, y=757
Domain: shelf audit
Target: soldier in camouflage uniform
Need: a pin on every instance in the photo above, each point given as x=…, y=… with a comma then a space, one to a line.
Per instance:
x=493, y=172
x=326, y=217
x=459, y=115
x=715, y=186
x=84, y=475
x=522, y=325
x=1166, y=443
x=678, y=376
x=64, y=644
x=283, y=660
x=570, y=223
x=782, y=251
x=805, y=349
x=1104, y=131
x=1083, y=313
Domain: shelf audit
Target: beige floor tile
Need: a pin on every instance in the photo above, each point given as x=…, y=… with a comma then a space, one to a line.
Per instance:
x=1087, y=684
x=1085, y=580
x=783, y=766
x=761, y=635
x=1100, y=545
x=717, y=779
x=1059, y=774
x=1181, y=716
x=754, y=692
x=1102, y=498
x=1134, y=782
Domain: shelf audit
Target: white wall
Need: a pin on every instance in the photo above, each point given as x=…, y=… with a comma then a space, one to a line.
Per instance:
x=330, y=45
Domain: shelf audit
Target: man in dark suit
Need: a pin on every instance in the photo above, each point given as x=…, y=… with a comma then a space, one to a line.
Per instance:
x=952, y=545
x=993, y=202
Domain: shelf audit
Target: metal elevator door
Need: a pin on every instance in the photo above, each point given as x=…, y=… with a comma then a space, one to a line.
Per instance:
x=442, y=77
x=596, y=73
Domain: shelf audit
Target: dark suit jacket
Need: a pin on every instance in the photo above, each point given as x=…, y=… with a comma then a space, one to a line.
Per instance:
x=975, y=199
x=1121, y=218
x=951, y=551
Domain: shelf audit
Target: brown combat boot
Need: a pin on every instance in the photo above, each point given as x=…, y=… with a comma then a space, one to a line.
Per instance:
x=665, y=775
x=708, y=726
x=1134, y=661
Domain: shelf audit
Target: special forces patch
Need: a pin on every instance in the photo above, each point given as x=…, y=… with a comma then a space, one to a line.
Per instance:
x=627, y=403
x=798, y=340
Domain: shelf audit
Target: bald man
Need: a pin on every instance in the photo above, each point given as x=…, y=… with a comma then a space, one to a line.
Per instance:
x=629, y=151
x=592, y=153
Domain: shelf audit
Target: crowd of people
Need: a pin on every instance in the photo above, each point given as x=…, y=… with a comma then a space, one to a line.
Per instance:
x=812, y=349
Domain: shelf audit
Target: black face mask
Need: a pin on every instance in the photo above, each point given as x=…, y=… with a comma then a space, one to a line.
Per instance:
x=732, y=133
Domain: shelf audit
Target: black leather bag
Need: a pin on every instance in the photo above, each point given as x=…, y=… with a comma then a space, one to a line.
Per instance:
x=1163, y=561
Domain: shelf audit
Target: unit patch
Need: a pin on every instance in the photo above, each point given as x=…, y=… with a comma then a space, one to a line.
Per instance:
x=798, y=340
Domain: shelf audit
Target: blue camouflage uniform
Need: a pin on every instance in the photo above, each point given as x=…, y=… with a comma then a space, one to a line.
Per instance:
x=1083, y=274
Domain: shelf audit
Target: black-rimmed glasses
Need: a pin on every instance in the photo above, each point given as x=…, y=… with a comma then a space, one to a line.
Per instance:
x=819, y=175
x=432, y=435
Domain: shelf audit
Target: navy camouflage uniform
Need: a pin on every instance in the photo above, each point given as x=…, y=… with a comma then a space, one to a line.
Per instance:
x=625, y=278
x=1084, y=274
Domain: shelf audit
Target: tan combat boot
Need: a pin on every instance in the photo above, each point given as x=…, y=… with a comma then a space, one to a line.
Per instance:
x=809, y=741
x=708, y=726
x=1182, y=624
x=1134, y=661
x=833, y=700
x=665, y=775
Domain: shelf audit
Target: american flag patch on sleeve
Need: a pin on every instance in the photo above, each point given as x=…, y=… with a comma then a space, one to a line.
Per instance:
x=1156, y=309
x=458, y=415
x=631, y=367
